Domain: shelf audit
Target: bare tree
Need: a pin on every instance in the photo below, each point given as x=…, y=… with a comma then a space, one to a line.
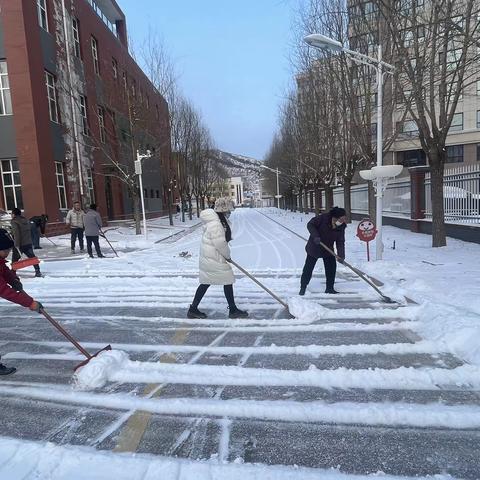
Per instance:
x=436, y=48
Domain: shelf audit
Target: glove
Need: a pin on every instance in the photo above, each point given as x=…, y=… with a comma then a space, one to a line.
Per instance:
x=36, y=307
x=17, y=285
x=229, y=260
x=317, y=240
x=341, y=260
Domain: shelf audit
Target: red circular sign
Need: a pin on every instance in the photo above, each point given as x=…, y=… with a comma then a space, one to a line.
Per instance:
x=366, y=230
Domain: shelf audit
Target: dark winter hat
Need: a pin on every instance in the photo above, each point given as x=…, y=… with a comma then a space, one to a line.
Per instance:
x=6, y=241
x=93, y=206
x=17, y=212
x=337, y=212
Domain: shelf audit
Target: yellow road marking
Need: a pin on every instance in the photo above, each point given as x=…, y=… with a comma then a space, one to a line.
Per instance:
x=133, y=431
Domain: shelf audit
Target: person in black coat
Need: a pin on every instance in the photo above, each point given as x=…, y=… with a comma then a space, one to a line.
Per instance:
x=328, y=228
x=38, y=224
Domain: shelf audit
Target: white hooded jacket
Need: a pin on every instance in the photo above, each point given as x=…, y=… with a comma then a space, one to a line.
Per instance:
x=214, y=269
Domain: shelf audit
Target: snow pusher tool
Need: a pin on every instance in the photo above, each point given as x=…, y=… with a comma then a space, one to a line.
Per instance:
x=102, y=234
x=73, y=341
x=359, y=273
x=27, y=262
x=261, y=285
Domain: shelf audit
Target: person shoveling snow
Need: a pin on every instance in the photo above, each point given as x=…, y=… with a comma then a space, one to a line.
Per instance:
x=11, y=287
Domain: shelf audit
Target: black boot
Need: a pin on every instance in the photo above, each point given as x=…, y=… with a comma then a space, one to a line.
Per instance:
x=38, y=274
x=6, y=370
x=235, y=312
x=194, y=312
x=331, y=290
x=302, y=291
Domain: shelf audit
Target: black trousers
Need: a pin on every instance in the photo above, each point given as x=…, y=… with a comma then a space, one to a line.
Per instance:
x=330, y=264
x=94, y=240
x=227, y=290
x=27, y=250
x=35, y=235
x=76, y=232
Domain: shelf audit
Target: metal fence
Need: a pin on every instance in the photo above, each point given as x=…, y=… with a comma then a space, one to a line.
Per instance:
x=461, y=194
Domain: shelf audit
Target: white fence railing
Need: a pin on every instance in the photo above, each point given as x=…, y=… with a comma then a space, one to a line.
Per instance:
x=461, y=194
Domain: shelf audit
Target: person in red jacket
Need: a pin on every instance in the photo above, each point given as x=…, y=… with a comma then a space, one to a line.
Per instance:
x=11, y=288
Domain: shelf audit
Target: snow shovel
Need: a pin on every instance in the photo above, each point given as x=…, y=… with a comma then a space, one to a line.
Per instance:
x=72, y=340
x=249, y=275
x=359, y=273
x=27, y=262
x=51, y=241
x=102, y=234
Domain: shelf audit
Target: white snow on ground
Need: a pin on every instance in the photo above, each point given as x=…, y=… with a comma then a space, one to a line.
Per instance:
x=368, y=413
x=97, y=372
x=444, y=281
x=23, y=460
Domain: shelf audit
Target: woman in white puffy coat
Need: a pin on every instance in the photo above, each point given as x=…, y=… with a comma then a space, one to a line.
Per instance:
x=214, y=258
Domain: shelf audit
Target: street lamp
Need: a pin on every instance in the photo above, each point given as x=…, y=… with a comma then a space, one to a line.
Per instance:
x=381, y=68
x=138, y=171
x=277, y=196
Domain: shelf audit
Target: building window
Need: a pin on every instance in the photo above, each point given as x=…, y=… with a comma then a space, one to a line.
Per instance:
x=114, y=68
x=457, y=123
x=62, y=194
x=96, y=64
x=101, y=124
x=76, y=37
x=91, y=189
x=42, y=14
x=5, y=98
x=158, y=193
x=84, y=115
x=478, y=152
x=12, y=188
x=478, y=87
x=410, y=128
x=52, y=96
x=478, y=118
x=455, y=154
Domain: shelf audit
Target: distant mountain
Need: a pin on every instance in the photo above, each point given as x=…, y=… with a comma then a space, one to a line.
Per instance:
x=238, y=165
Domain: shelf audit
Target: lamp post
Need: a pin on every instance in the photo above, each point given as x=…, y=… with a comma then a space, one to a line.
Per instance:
x=321, y=41
x=277, y=196
x=138, y=171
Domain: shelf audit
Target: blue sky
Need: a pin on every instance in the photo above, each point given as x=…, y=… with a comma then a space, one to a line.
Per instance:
x=233, y=60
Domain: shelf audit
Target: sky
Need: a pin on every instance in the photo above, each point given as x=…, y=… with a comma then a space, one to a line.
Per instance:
x=232, y=57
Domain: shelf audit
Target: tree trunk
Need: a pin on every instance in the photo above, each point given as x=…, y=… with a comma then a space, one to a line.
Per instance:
x=318, y=199
x=300, y=200
x=190, y=208
x=328, y=197
x=182, y=206
x=136, y=213
x=307, y=208
x=347, y=198
x=439, y=237
x=197, y=201
x=372, y=202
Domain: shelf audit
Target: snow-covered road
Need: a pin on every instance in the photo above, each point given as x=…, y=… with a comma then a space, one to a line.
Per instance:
x=348, y=385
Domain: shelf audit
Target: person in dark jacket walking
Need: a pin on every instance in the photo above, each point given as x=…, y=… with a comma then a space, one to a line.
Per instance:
x=11, y=288
x=328, y=228
x=22, y=236
x=38, y=224
x=93, y=223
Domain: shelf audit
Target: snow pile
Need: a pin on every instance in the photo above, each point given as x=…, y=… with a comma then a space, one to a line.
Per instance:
x=463, y=340
x=100, y=369
x=307, y=310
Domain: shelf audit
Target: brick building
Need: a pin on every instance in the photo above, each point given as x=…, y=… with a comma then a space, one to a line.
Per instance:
x=74, y=108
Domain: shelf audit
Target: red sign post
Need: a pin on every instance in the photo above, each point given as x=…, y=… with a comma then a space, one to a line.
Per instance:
x=366, y=232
